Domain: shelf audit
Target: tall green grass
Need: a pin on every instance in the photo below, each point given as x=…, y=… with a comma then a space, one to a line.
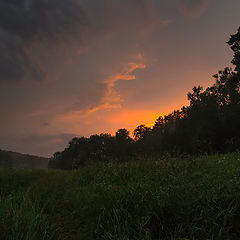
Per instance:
x=150, y=199
x=21, y=219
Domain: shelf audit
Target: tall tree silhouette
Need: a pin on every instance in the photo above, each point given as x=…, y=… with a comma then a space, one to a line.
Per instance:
x=123, y=143
x=234, y=43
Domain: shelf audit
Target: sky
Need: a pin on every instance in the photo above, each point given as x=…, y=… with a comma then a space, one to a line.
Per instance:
x=81, y=67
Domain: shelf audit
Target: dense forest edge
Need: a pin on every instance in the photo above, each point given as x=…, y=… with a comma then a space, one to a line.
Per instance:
x=209, y=125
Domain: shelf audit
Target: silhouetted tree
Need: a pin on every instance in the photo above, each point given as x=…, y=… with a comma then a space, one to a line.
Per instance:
x=122, y=144
x=141, y=132
x=234, y=43
x=122, y=135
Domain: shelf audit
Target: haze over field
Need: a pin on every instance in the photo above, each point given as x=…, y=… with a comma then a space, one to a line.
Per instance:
x=78, y=67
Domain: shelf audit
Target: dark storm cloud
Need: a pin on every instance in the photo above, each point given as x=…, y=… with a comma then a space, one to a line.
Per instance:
x=24, y=23
x=33, y=32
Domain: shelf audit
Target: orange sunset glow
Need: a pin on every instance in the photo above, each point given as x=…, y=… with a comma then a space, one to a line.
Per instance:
x=104, y=65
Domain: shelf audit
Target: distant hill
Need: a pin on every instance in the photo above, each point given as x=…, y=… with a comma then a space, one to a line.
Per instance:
x=18, y=160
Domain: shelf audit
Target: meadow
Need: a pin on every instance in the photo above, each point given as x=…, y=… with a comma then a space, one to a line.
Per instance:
x=145, y=199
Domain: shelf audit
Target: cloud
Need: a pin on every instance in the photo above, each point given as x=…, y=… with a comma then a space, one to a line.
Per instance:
x=111, y=98
x=81, y=120
x=192, y=8
x=86, y=51
x=73, y=120
x=28, y=26
x=114, y=16
x=38, y=38
x=77, y=42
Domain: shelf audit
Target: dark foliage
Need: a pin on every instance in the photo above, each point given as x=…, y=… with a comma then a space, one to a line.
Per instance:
x=210, y=124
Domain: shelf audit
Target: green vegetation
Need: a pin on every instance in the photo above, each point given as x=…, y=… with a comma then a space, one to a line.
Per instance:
x=158, y=198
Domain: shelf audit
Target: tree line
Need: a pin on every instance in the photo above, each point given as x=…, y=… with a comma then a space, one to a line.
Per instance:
x=210, y=124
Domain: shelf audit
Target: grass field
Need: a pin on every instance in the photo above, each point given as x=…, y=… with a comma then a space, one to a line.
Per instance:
x=185, y=198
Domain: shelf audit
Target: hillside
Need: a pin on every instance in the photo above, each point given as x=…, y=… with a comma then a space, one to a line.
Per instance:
x=18, y=160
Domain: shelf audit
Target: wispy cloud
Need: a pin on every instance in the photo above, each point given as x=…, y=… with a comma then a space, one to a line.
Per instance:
x=111, y=98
